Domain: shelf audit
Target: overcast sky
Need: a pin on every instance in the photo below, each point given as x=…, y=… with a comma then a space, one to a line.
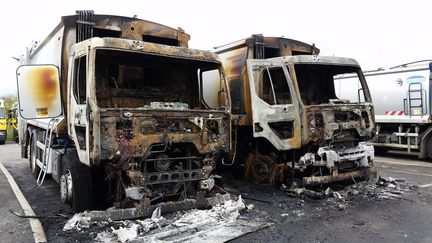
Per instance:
x=376, y=33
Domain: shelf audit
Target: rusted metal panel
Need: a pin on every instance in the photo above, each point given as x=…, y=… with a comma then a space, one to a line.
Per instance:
x=326, y=115
x=130, y=28
x=150, y=127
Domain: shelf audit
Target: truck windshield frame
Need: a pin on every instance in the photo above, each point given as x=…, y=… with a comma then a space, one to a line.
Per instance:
x=319, y=83
x=131, y=79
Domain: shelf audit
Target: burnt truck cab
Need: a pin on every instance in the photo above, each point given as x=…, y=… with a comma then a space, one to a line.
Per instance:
x=131, y=120
x=139, y=108
x=291, y=118
x=341, y=129
x=297, y=104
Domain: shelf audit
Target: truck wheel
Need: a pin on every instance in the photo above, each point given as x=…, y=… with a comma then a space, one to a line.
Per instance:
x=35, y=169
x=75, y=183
x=259, y=168
x=429, y=148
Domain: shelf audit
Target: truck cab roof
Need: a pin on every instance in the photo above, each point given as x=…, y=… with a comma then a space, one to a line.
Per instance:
x=329, y=60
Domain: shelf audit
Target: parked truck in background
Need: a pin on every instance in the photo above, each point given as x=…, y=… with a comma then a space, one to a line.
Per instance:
x=3, y=122
x=114, y=108
x=402, y=99
x=13, y=121
x=287, y=119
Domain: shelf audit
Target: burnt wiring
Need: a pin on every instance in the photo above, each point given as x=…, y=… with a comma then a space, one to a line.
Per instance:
x=341, y=130
x=124, y=152
x=114, y=170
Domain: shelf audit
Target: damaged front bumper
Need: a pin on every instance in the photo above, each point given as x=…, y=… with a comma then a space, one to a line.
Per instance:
x=360, y=158
x=365, y=172
x=166, y=207
x=329, y=157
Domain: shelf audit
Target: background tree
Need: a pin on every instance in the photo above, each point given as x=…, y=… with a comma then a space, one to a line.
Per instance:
x=9, y=100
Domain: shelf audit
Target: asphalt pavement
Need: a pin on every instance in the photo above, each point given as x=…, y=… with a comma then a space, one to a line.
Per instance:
x=12, y=228
x=366, y=218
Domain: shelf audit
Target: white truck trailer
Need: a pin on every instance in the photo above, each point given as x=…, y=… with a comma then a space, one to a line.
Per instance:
x=402, y=101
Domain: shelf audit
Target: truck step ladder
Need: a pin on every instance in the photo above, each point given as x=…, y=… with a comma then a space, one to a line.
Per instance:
x=415, y=99
x=46, y=151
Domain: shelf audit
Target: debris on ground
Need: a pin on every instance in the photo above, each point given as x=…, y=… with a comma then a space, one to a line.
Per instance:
x=342, y=206
x=393, y=188
x=299, y=213
x=218, y=224
x=77, y=222
x=235, y=218
x=384, y=188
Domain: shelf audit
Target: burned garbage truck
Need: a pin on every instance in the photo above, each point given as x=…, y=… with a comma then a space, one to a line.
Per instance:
x=113, y=109
x=288, y=122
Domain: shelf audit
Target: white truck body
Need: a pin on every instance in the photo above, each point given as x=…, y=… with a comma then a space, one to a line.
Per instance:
x=402, y=101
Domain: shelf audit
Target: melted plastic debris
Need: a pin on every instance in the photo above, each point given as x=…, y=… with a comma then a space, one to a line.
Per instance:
x=125, y=234
x=342, y=198
x=384, y=188
x=77, y=222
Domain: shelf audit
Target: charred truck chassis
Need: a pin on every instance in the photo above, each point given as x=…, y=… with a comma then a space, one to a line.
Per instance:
x=135, y=128
x=288, y=122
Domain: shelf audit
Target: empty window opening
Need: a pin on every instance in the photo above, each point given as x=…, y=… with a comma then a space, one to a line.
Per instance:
x=270, y=52
x=273, y=87
x=105, y=33
x=80, y=79
x=132, y=79
x=318, y=85
x=161, y=40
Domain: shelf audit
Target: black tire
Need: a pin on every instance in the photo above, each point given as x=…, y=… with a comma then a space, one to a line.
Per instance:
x=2, y=142
x=82, y=188
x=259, y=168
x=32, y=158
x=429, y=148
x=28, y=149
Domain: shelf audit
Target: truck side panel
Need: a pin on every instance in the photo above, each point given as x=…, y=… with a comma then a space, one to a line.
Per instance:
x=390, y=90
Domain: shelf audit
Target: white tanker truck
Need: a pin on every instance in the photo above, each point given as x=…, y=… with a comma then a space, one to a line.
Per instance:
x=402, y=101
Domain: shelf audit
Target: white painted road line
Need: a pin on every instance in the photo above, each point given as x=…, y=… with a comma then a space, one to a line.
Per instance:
x=35, y=224
x=412, y=173
x=379, y=160
x=426, y=185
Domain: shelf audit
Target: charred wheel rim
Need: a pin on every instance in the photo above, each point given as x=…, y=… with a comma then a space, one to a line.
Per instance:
x=66, y=187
